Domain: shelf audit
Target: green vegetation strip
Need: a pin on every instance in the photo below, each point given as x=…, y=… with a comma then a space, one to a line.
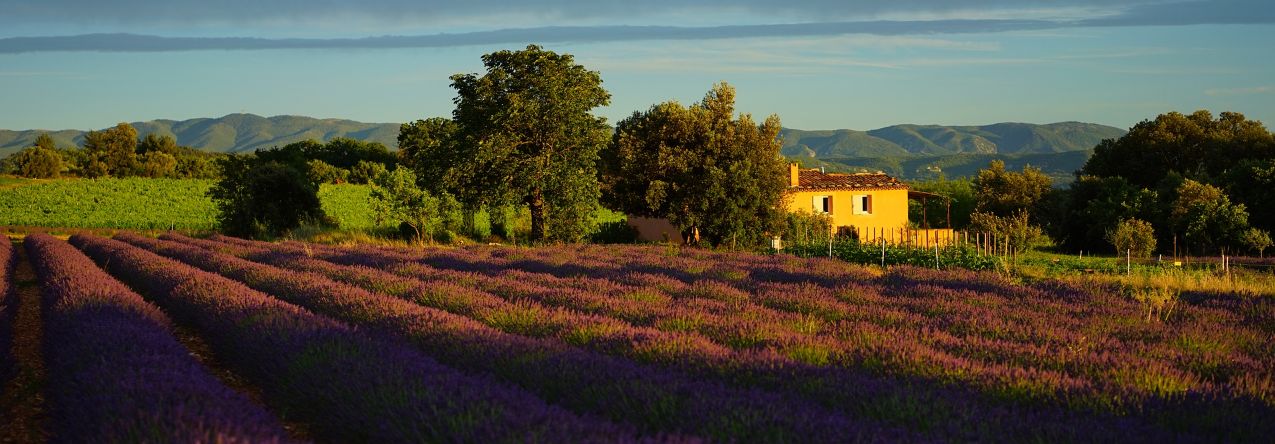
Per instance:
x=139, y=203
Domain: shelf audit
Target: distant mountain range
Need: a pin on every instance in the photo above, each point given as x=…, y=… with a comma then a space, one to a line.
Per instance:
x=931, y=140
x=908, y=151
x=232, y=133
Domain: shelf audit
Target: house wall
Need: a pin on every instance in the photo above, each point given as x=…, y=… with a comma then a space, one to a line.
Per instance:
x=889, y=207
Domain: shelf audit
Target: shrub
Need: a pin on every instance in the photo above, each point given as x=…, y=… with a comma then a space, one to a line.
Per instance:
x=365, y=172
x=1020, y=234
x=1256, y=239
x=1134, y=236
x=36, y=162
x=257, y=198
x=322, y=172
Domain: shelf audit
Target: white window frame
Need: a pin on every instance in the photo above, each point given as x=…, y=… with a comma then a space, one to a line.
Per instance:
x=822, y=205
x=862, y=204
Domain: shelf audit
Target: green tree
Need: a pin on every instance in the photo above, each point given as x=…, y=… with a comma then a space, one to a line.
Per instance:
x=1256, y=239
x=345, y=153
x=1093, y=205
x=1016, y=230
x=397, y=197
x=365, y=171
x=1251, y=182
x=152, y=143
x=528, y=135
x=430, y=148
x=115, y=148
x=963, y=199
x=700, y=167
x=1206, y=217
x=1005, y=193
x=321, y=172
x=36, y=162
x=157, y=164
x=1134, y=236
x=44, y=140
x=1195, y=146
x=258, y=197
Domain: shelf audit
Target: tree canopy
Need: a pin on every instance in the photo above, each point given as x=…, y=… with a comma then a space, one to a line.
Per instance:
x=700, y=167
x=259, y=195
x=1005, y=193
x=1196, y=146
x=526, y=134
x=114, y=148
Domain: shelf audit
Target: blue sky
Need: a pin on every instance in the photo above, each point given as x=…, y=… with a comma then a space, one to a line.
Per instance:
x=818, y=64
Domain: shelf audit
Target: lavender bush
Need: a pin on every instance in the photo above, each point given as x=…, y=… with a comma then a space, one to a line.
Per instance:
x=117, y=373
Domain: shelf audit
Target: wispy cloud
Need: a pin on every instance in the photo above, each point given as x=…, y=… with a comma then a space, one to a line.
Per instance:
x=1240, y=91
x=1131, y=13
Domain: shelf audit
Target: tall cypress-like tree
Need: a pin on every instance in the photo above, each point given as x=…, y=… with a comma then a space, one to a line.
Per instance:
x=527, y=134
x=700, y=167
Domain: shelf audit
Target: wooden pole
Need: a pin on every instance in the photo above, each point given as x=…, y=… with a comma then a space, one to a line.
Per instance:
x=1128, y=261
x=936, y=256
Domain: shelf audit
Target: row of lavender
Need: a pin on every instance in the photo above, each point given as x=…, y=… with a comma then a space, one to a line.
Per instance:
x=116, y=371
x=918, y=405
x=1046, y=342
x=653, y=398
x=8, y=309
x=343, y=383
x=966, y=315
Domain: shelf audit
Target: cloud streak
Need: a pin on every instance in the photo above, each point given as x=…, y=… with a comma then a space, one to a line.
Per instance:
x=250, y=12
x=1160, y=14
x=1240, y=91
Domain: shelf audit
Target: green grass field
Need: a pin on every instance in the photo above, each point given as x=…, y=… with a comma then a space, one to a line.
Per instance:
x=145, y=204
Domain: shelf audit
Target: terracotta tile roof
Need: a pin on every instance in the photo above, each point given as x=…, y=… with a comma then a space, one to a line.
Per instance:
x=815, y=180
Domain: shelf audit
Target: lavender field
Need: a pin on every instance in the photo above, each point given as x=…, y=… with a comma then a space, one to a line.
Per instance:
x=576, y=343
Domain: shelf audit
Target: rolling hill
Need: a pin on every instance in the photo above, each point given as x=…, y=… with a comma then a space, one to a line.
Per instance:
x=935, y=140
x=1058, y=166
x=231, y=133
x=907, y=151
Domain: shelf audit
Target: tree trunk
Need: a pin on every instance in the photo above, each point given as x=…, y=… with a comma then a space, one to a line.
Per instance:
x=537, y=207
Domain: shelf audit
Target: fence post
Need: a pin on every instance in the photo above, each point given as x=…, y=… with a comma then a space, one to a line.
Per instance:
x=936, y=256
x=883, y=252
x=1128, y=261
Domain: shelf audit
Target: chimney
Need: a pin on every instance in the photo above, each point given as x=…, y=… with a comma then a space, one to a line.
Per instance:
x=793, y=174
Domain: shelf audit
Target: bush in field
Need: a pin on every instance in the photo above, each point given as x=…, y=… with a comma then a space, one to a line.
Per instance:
x=1020, y=234
x=257, y=197
x=396, y=197
x=321, y=172
x=806, y=227
x=1134, y=236
x=1256, y=239
x=36, y=162
x=365, y=172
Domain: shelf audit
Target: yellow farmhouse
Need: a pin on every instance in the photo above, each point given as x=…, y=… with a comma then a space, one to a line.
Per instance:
x=874, y=204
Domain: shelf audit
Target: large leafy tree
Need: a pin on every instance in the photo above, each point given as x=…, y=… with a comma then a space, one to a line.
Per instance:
x=264, y=195
x=700, y=167
x=1196, y=146
x=1206, y=218
x=1094, y=205
x=114, y=148
x=36, y=162
x=429, y=147
x=527, y=135
x=1005, y=193
x=397, y=197
x=1252, y=182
